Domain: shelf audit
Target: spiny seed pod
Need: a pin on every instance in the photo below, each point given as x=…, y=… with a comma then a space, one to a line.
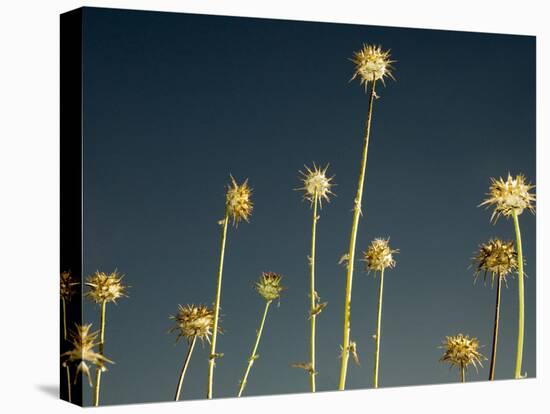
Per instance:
x=379, y=255
x=509, y=196
x=269, y=286
x=371, y=64
x=316, y=184
x=238, y=203
x=67, y=286
x=496, y=257
x=193, y=321
x=461, y=350
x=105, y=287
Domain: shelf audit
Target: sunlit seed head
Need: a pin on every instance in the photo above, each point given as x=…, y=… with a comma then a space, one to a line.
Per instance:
x=237, y=201
x=316, y=184
x=379, y=255
x=193, y=321
x=462, y=351
x=105, y=287
x=371, y=64
x=496, y=257
x=269, y=286
x=509, y=196
x=67, y=286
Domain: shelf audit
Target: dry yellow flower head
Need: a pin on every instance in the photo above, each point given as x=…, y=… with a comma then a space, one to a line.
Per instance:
x=83, y=343
x=269, y=286
x=462, y=351
x=67, y=286
x=509, y=196
x=371, y=64
x=496, y=257
x=379, y=255
x=237, y=201
x=193, y=321
x=316, y=184
x=105, y=287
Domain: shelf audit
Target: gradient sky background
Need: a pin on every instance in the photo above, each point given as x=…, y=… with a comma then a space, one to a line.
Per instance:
x=173, y=103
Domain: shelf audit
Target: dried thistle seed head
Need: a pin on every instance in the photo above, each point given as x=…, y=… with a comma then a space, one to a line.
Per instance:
x=379, y=255
x=237, y=201
x=509, y=196
x=462, y=351
x=67, y=286
x=372, y=63
x=269, y=286
x=105, y=287
x=496, y=257
x=83, y=343
x=316, y=184
x=194, y=321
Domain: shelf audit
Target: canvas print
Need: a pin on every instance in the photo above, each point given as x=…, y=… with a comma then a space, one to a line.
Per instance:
x=260, y=207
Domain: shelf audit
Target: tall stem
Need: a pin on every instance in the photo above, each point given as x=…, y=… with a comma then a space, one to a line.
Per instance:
x=378, y=330
x=213, y=355
x=101, y=347
x=521, y=296
x=351, y=251
x=69, y=383
x=462, y=373
x=184, y=368
x=313, y=297
x=253, y=355
x=495, y=332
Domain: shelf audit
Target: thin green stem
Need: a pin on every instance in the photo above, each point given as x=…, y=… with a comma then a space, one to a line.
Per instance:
x=495, y=332
x=213, y=355
x=378, y=330
x=101, y=349
x=70, y=399
x=64, y=309
x=312, y=297
x=184, y=368
x=253, y=355
x=351, y=251
x=462, y=373
x=521, y=299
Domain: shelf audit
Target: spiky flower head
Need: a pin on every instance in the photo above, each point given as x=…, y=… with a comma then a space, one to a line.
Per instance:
x=496, y=257
x=193, y=321
x=237, y=201
x=379, y=255
x=461, y=350
x=67, y=286
x=105, y=287
x=371, y=64
x=269, y=286
x=316, y=184
x=83, y=343
x=509, y=196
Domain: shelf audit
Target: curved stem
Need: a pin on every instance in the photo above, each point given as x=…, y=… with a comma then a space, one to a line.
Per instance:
x=462, y=373
x=378, y=330
x=253, y=355
x=313, y=297
x=521, y=305
x=101, y=346
x=495, y=332
x=213, y=355
x=184, y=368
x=351, y=251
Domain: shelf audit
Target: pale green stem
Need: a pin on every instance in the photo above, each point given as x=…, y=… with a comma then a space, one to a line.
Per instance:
x=184, y=368
x=462, y=373
x=495, y=332
x=253, y=355
x=213, y=355
x=69, y=384
x=101, y=346
x=521, y=296
x=313, y=297
x=378, y=330
x=351, y=251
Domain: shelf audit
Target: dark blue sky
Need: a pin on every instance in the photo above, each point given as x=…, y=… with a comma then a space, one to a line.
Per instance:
x=174, y=103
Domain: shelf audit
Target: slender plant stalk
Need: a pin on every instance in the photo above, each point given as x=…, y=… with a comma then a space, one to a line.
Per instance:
x=69, y=383
x=101, y=346
x=253, y=355
x=213, y=355
x=521, y=302
x=351, y=252
x=495, y=332
x=64, y=311
x=378, y=329
x=312, y=296
x=462, y=373
x=184, y=368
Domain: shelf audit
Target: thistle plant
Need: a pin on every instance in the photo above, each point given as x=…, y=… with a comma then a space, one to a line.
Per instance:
x=192, y=322
x=498, y=259
x=104, y=288
x=509, y=199
x=378, y=257
x=316, y=188
x=462, y=351
x=66, y=290
x=269, y=288
x=371, y=65
x=238, y=207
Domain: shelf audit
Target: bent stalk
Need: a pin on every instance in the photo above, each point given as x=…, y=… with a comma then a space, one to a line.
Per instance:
x=495, y=332
x=378, y=330
x=521, y=300
x=101, y=347
x=184, y=368
x=313, y=297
